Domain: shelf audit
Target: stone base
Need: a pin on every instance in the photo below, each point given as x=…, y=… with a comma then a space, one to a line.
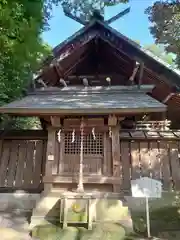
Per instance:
x=16, y=209
x=100, y=209
x=15, y=212
x=46, y=209
x=11, y=234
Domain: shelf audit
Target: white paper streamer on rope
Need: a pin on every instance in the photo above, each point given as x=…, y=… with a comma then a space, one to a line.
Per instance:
x=59, y=136
x=73, y=135
x=110, y=133
x=93, y=133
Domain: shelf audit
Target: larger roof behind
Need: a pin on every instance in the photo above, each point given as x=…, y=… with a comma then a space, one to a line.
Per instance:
x=172, y=75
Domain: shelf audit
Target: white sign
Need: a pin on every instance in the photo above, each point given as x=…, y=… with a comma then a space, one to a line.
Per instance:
x=146, y=188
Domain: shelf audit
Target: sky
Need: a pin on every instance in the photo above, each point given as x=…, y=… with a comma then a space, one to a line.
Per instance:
x=134, y=25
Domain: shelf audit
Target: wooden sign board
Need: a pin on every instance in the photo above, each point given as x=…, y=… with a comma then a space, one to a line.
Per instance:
x=146, y=188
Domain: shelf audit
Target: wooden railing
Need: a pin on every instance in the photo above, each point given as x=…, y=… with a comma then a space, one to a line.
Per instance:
x=150, y=135
x=153, y=125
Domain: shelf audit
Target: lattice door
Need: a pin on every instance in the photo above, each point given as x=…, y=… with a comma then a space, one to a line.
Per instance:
x=92, y=153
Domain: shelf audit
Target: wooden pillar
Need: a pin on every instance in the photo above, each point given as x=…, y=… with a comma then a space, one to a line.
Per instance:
x=115, y=150
x=50, y=155
x=116, y=156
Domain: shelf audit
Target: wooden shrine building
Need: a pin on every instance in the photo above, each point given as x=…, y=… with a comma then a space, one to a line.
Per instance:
x=108, y=111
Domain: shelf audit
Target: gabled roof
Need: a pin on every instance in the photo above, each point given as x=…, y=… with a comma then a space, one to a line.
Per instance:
x=107, y=33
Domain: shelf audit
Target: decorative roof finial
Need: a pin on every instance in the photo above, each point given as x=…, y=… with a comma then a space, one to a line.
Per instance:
x=97, y=15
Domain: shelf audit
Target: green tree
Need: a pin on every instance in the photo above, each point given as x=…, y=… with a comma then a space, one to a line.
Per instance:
x=21, y=23
x=84, y=9
x=159, y=51
x=165, y=28
x=21, y=49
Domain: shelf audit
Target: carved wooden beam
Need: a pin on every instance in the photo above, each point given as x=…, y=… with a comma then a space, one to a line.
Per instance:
x=113, y=124
x=50, y=156
x=134, y=72
x=116, y=46
x=116, y=49
x=121, y=119
x=58, y=69
x=116, y=156
x=112, y=120
x=168, y=97
x=121, y=58
x=141, y=71
x=55, y=121
x=69, y=70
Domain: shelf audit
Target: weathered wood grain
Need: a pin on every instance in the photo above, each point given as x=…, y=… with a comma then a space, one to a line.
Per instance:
x=21, y=164
x=126, y=165
x=12, y=164
x=4, y=162
x=135, y=161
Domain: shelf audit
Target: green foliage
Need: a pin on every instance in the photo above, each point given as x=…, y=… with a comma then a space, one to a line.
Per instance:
x=165, y=19
x=159, y=51
x=27, y=123
x=21, y=23
x=11, y=123
x=138, y=42
x=21, y=45
x=114, y=2
x=84, y=9
x=105, y=231
x=162, y=219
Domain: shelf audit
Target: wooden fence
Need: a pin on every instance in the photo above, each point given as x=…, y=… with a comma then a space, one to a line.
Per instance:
x=22, y=160
x=142, y=153
x=154, y=154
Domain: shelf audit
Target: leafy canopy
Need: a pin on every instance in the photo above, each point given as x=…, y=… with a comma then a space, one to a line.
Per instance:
x=84, y=9
x=159, y=51
x=165, y=19
x=21, y=46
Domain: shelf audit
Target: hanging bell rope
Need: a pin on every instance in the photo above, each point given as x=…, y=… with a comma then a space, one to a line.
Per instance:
x=73, y=135
x=80, y=187
x=93, y=133
x=59, y=136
